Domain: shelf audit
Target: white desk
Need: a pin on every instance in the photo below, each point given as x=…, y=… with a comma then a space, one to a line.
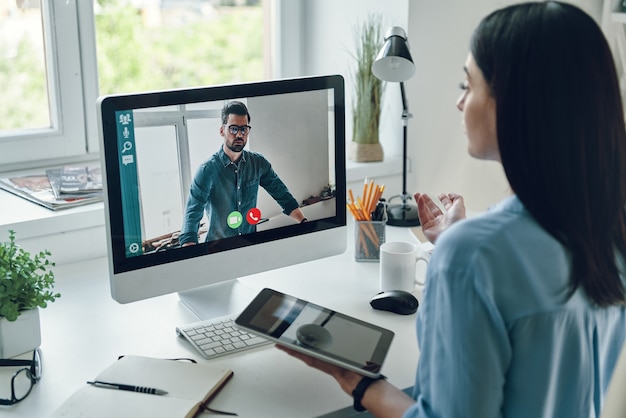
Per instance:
x=85, y=331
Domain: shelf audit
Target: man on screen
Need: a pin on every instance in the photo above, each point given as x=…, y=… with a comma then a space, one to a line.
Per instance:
x=226, y=186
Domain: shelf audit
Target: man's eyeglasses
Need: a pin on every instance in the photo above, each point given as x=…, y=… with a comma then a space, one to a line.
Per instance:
x=23, y=380
x=235, y=129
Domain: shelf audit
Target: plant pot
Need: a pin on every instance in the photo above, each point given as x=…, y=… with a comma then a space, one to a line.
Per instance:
x=20, y=336
x=365, y=152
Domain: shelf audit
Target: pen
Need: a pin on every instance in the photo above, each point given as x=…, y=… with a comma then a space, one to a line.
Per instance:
x=131, y=388
x=379, y=212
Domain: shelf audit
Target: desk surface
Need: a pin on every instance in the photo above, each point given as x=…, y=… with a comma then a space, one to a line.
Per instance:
x=85, y=331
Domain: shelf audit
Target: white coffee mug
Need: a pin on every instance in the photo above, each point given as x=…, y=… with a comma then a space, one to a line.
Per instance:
x=398, y=262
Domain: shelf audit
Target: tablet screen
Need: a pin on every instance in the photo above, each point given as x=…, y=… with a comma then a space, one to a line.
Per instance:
x=315, y=330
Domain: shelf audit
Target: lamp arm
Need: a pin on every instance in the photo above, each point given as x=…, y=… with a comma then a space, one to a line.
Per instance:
x=405, y=121
x=405, y=104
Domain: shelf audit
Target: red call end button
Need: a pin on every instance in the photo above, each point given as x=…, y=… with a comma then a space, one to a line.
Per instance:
x=253, y=216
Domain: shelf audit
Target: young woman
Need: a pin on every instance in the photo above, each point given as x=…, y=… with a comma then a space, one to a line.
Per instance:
x=523, y=311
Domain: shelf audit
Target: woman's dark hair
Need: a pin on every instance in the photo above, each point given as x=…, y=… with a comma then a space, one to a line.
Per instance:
x=234, y=108
x=561, y=132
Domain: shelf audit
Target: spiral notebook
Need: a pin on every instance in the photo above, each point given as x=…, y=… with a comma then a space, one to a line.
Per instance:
x=189, y=386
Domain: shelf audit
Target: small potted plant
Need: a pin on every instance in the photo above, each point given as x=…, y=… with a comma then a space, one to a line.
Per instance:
x=26, y=284
x=368, y=91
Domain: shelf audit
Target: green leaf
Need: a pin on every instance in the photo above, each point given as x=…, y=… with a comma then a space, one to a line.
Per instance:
x=367, y=102
x=26, y=280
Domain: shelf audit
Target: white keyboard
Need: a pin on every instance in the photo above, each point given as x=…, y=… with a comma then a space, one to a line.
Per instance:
x=219, y=337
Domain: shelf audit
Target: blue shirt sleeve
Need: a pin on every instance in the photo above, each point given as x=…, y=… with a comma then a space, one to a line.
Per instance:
x=464, y=346
x=279, y=191
x=194, y=209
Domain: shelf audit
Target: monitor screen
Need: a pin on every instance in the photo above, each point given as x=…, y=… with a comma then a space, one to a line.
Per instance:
x=206, y=185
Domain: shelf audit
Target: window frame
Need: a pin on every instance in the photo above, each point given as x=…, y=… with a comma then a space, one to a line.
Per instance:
x=66, y=135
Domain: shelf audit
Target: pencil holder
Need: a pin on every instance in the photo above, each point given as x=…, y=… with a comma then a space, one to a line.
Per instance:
x=368, y=237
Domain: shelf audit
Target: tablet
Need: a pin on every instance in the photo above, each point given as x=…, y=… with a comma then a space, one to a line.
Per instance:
x=319, y=332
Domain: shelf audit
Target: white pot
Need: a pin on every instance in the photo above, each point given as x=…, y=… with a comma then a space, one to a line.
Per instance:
x=20, y=336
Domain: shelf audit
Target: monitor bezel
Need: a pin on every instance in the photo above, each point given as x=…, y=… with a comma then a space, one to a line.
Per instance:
x=107, y=107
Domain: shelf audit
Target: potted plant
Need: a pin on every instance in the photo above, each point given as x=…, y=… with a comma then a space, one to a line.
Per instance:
x=26, y=284
x=368, y=91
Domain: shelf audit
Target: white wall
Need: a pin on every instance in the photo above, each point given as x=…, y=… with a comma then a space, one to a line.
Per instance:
x=439, y=33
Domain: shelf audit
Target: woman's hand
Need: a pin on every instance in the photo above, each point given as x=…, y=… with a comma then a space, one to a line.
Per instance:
x=346, y=378
x=381, y=399
x=433, y=220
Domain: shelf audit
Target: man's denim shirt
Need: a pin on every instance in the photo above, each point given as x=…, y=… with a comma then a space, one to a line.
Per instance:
x=221, y=186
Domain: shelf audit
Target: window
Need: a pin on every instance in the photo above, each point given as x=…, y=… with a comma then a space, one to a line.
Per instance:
x=23, y=68
x=51, y=74
x=35, y=87
x=177, y=43
x=179, y=141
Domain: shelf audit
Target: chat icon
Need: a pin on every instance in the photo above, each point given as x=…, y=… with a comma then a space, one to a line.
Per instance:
x=127, y=159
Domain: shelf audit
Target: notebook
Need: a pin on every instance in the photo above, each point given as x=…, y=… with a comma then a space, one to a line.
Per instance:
x=189, y=385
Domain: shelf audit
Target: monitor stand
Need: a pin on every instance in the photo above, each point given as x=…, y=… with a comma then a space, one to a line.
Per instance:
x=219, y=299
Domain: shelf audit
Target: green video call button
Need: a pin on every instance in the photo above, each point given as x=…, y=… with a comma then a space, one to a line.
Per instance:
x=234, y=219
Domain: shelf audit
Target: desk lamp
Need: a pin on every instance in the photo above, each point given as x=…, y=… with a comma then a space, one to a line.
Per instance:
x=394, y=63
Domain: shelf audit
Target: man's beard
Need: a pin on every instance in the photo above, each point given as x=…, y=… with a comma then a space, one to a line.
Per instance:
x=236, y=148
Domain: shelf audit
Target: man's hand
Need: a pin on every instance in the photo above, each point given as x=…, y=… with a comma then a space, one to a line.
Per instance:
x=298, y=215
x=433, y=220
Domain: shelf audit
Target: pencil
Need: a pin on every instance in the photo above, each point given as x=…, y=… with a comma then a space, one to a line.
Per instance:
x=364, y=189
x=368, y=229
x=362, y=207
x=353, y=210
x=377, y=196
x=363, y=243
x=370, y=197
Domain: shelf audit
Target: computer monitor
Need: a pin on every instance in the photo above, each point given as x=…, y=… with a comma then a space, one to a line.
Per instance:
x=154, y=144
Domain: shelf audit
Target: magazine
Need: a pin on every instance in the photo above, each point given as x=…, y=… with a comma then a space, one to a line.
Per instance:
x=76, y=180
x=37, y=189
x=65, y=184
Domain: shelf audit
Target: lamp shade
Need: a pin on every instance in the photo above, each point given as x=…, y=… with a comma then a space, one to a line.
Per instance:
x=394, y=62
